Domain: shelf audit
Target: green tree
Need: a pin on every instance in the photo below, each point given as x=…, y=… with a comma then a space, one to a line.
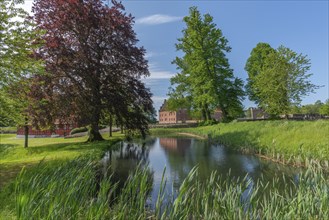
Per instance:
x=281, y=80
x=312, y=108
x=324, y=109
x=18, y=39
x=205, y=76
x=254, y=67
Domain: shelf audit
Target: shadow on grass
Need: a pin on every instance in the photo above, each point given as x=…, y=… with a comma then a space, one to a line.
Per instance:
x=6, y=148
x=79, y=147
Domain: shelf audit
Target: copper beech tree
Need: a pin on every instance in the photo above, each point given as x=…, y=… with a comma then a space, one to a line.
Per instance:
x=93, y=66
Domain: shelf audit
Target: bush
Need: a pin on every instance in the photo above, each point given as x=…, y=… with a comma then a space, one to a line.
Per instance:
x=8, y=130
x=209, y=122
x=102, y=127
x=78, y=130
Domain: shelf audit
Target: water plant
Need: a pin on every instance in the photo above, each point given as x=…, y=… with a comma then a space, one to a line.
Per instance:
x=73, y=190
x=62, y=191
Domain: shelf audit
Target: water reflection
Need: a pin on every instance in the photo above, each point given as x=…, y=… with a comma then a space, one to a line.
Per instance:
x=175, y=145
x=180, y=155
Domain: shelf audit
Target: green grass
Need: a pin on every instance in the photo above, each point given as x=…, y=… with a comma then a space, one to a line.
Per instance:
x=67, y=184
x=292, y=142
x=49, y=150
x=76, y=190
x=57, y=190
x=71, y=191
x=13, y=153
x=229, y=198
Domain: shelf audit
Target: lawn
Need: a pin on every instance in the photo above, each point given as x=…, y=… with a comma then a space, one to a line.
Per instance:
x=12, y=150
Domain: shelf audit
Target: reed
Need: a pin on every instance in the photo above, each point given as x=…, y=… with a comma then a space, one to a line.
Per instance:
x=75, y=191
x=229, y=198
x=61, y=191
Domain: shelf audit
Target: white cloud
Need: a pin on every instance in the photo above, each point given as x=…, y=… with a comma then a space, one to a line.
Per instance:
x=156, y=73
x=158, y=19
x=159, y=98
x=150, y=54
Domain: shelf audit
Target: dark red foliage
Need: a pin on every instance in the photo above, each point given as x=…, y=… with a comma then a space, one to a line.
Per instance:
x=92, y=61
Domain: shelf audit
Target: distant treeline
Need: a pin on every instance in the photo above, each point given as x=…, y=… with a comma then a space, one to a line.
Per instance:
x=317, y=108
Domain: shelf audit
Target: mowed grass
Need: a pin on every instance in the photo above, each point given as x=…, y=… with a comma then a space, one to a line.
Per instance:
x=296, y=142
x=12, y=150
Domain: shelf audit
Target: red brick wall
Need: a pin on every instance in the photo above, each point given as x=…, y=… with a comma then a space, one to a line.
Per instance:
x=172, y=117
x=61, y=130
x=167, y=117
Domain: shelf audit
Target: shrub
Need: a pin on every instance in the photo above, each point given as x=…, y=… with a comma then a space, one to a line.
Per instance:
x=78, y=130
x=208, y=122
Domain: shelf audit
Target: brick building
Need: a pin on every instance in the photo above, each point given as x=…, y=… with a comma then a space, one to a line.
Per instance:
x=172, y=117
x=60, y=130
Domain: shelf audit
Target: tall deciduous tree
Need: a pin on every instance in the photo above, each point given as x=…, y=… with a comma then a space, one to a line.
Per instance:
x=17, y=42
x=254, y=67
x=93, y=65
x=205, y=74
x=278, y=78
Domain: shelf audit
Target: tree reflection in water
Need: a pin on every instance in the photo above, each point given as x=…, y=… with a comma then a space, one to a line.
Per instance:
x=180, y=155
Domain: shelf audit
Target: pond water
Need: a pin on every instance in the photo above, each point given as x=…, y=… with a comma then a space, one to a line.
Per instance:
x=180, y=155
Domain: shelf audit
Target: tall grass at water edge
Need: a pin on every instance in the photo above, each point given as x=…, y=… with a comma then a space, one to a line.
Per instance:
x=301, y=143
x=75, y=191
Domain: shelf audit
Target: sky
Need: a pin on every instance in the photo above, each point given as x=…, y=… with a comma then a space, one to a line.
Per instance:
x=299, y=25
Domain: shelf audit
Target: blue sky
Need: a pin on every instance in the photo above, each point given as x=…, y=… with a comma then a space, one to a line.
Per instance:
x=299, y=25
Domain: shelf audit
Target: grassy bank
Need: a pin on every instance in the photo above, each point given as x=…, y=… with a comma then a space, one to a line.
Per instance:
x=68, y=184
x=52, y=151
x=292, y=142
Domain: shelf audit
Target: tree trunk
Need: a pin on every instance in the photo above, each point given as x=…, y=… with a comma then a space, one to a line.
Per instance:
x=204, y=115
x=94, y=134
x=121, y=126
x=111, y=123
x=26, y=135
x=208, y=114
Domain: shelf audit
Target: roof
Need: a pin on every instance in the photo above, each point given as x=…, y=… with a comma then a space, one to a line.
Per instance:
x=164, y=106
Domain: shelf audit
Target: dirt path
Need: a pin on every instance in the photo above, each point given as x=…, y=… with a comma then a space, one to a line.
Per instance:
x=192, y=135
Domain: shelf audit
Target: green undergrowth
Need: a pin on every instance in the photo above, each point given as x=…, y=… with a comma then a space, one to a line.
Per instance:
x=74, y=190
x=301, y=143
